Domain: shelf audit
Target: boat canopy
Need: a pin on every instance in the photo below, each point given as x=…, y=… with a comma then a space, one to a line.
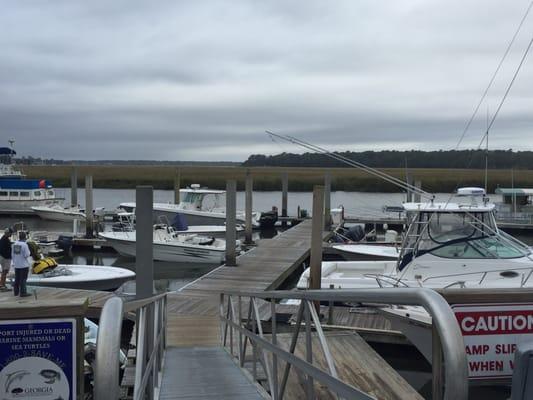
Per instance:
x=24, y=184
x=6, y=151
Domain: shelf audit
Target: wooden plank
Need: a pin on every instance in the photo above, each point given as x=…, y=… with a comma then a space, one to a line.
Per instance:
x=357, y=364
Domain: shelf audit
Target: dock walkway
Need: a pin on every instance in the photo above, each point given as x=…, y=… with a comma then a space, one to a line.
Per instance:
x=207, y=373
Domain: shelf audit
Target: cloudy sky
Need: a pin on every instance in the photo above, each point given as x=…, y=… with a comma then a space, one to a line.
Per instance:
x=203, y=80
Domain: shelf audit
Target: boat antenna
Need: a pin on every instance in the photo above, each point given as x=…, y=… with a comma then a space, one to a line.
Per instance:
x=339, y=157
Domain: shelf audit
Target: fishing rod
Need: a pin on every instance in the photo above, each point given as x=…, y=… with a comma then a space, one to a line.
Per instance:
x=356, y=164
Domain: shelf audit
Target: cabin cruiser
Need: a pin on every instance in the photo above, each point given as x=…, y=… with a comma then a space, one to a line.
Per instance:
x=18, y=194
x=447, y=244
x=201, y=206
x=171, y=245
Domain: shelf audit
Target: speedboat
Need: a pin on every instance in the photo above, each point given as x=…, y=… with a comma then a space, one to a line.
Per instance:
x=201, y=206
x=170, y=245
x=88, y=277
x=18, y=194
x=448, y=244
x=56, y=212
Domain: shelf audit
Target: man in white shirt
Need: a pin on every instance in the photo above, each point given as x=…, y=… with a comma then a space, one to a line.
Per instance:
x=20, y=253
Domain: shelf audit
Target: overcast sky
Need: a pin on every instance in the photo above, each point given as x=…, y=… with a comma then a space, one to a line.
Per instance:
x=202, y=80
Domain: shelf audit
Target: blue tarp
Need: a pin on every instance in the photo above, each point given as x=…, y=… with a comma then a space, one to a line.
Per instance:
x=179, y=222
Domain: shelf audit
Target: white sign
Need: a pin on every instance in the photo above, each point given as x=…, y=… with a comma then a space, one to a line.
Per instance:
x=491, y=333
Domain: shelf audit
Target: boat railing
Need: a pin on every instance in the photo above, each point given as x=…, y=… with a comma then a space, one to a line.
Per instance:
x=240, y=328
x=391, y=280
x=526, y=275
x=151, y=320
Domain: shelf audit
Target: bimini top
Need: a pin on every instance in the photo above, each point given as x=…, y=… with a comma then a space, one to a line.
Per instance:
x=195, y=188
x=448, y=207
x=5, y=151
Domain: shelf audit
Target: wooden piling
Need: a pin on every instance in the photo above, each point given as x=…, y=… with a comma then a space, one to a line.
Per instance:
x=417, y=197
x=248, y=208
x=89, y=207
x=144, y=252
x=409, y=194
x=231, y=232
x=284, y=196
x=177, y=183
x=327, y=200
x=74, y=187
x=316, y=238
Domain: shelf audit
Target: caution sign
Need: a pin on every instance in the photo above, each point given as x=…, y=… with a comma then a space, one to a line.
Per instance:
x=491, y=333
x=38, y=359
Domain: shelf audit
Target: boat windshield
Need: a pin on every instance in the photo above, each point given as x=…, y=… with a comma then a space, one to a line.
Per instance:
x=466, y=235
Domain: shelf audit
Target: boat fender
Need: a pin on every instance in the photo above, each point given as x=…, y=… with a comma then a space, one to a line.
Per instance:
x=44, y=265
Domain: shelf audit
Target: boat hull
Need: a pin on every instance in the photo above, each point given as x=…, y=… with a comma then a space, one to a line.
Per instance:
x=87, y=277
x=23, y=207
x=57, y=215
x=170, y=252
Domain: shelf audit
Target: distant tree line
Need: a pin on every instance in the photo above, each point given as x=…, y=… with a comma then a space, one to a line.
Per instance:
x=475, y=159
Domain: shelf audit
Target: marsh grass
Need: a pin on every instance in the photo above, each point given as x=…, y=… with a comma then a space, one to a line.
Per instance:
x=269, y=178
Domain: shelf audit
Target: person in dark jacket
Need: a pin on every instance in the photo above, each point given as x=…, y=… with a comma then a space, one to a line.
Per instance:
x=5, y=257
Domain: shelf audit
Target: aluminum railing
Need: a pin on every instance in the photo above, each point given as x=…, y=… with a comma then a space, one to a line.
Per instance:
x=151, y=320
x=238, y=329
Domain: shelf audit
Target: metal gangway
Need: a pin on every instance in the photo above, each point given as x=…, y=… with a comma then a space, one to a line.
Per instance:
x=242, y=328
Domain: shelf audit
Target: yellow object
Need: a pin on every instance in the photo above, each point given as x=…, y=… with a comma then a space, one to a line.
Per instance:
x=43, y=265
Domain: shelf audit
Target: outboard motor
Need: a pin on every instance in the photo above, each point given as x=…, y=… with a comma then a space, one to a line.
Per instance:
x=355, y=233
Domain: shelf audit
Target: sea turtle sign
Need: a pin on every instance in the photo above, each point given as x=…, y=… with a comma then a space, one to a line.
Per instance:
x=491, y=333
x=38, y=359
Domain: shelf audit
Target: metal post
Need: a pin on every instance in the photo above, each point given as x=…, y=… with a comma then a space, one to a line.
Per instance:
x=284, y=196
x=327, y=200
x=309, y=387
x=177, y=177
x=231, y=209
x=144, y=260
x=248, y=208
x=437, y=366
x=74, y=187
x=89, y=206
x=417, y=197
x=316, y=238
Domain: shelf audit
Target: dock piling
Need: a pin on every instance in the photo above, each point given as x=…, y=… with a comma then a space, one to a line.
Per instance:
x=74, y=187
x=327, y=200
x=144, y=260
x=284, y=196
x=248, y=208
x=89, y=207
x=177, y=178
x=231, y=236
x=417, y=197
x=316, y=237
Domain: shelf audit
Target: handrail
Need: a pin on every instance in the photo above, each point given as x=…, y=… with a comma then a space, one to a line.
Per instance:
x=106, y=366
x=151, y=342
x=444, y=323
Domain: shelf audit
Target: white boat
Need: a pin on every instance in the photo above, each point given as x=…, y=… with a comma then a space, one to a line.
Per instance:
x=17, y=194
x=88, y=277
x=201, y=206
x=453, y=244
x=172, y=246
x=56, y=212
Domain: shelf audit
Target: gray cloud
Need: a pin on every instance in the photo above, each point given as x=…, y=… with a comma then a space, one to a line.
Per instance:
x=203, y=80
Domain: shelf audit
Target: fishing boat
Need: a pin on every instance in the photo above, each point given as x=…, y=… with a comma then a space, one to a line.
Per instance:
x=88, y=277
x=170, y=245
x=448, y=244
x=200, y=206
x=18, y=194
x=56, y=212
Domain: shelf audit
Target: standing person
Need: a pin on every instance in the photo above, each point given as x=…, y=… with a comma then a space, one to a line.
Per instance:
x=5, y=257
x=20, y=253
